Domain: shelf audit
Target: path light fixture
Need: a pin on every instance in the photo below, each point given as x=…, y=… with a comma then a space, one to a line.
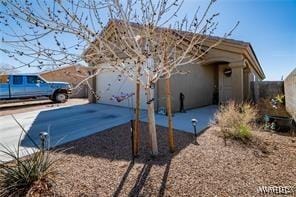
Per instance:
x=194, y=123
x=43, y=137
x=132, y=122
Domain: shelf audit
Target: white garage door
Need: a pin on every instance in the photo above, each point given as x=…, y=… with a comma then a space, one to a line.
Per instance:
x=109, y=86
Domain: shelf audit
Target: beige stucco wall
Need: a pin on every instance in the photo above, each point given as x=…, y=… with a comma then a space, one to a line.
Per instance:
x=72, y=75
x=197, y=86
x=290, y=93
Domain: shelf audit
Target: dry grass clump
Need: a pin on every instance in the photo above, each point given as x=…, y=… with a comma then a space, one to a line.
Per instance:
x=236, y=121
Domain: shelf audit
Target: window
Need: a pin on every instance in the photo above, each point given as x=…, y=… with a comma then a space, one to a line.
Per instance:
x=3, y=78
x=17, y=80
x=34, y=80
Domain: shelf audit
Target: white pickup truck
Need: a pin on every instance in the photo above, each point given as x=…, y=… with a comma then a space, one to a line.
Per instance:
x=21, y=86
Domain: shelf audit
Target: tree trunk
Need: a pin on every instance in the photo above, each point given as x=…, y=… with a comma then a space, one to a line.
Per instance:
x=151, y=122
x=137, y=121
x=169, y=113
x=169, y=107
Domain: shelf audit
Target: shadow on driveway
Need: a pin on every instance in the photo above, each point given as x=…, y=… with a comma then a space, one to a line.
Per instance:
x=71, y=123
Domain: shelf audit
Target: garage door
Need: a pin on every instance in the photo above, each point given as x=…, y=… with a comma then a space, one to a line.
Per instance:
x=110, y=85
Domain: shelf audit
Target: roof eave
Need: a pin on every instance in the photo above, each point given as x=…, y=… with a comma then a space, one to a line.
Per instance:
x=256, y=61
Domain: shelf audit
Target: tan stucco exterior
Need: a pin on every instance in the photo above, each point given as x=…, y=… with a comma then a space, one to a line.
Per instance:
x=205, y=82
x=206, y=79
x=197, y=86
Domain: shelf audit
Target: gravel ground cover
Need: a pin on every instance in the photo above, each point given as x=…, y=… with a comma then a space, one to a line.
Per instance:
x=100, y=165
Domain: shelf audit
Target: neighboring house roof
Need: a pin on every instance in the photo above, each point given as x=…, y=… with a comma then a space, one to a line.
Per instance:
x=77, y=67
x=245, y=46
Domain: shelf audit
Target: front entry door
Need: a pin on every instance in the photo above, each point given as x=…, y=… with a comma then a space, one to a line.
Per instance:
x=225, y=83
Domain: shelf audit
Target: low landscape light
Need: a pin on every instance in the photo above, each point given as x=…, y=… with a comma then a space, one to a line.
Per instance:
x=194, y=123
x=43, y=137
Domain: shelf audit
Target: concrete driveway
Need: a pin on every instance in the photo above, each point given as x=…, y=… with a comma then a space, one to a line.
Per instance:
x=63, y=124
x=67, y=123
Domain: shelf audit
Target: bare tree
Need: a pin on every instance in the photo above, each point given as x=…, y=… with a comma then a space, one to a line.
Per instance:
x=7, y=69
x=143, y=41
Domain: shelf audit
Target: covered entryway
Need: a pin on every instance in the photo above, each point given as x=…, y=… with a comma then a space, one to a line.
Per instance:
x=233, y=81
x=225, y=83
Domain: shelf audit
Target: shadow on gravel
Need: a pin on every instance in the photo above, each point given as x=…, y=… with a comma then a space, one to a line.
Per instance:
x=115, y=144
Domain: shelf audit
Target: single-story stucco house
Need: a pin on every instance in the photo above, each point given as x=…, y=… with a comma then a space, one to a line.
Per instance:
x=224, y=74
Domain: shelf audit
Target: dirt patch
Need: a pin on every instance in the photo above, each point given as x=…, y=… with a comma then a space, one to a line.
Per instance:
x=100, y=165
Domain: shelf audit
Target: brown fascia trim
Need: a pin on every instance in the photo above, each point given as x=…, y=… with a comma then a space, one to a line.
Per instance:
x=246, y=50
x=66, y=67
x=246, y=46
x=249, y=53
x=104, y=30
x=58, y=69
x=254, y=59
x=174, y=31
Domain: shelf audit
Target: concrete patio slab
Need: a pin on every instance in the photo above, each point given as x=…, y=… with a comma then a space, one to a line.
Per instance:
x=182, y=121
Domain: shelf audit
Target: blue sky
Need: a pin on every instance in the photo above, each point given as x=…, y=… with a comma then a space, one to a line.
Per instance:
x=269, y=25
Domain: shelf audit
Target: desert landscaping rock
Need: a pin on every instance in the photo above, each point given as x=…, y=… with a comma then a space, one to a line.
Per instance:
x=100, y=165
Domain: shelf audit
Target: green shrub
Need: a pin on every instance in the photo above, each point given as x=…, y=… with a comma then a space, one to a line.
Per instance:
x=280, y=98
x=244, y=132
x=236, y=121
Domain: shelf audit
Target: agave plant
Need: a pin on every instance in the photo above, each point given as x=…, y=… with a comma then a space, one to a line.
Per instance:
x=33, y=174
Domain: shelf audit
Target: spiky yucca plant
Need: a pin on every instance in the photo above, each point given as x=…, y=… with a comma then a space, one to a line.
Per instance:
x=30, y=175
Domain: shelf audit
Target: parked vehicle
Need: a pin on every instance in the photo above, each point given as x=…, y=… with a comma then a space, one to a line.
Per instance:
x=22, y=86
